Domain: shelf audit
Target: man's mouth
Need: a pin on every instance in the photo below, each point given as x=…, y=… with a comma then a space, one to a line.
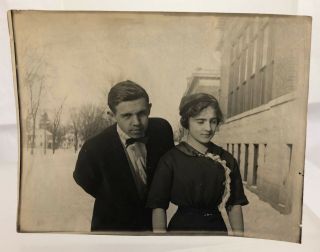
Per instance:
x=136, y=130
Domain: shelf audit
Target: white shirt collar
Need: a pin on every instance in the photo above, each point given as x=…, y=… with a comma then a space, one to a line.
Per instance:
x=123, y=136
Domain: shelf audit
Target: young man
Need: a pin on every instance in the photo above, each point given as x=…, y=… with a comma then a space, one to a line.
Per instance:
x=117, y=166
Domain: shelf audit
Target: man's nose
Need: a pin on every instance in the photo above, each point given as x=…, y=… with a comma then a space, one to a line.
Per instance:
x=135, y=120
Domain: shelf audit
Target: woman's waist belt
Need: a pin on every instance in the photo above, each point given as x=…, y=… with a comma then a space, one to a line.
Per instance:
x=201, y=211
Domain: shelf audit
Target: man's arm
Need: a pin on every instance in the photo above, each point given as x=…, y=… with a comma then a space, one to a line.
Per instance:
x=85, y=173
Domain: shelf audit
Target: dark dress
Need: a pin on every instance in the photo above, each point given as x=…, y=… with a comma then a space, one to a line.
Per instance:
x=195, y=184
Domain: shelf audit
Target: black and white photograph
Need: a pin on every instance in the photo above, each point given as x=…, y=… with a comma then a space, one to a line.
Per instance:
x=161, y=123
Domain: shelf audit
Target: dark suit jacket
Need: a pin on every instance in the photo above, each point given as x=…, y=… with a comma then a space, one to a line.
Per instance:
x=102, y=170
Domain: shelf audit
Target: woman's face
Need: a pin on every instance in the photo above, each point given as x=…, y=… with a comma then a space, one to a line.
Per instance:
x=203, y=126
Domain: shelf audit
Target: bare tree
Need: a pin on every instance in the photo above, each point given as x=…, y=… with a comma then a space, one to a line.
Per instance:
x=55, y=125
x=111, y=76
x=75, y=127
x=35, y=86
x=93, y=119
x=33, y=79
x=61, y=135
x=44, y=123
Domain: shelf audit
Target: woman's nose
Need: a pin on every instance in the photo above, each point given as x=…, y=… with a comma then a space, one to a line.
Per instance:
x=207, y=126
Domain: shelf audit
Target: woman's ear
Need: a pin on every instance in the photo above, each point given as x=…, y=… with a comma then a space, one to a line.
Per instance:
x=185, y=135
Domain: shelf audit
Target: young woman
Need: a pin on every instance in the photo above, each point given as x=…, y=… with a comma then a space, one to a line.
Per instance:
x=198, y=176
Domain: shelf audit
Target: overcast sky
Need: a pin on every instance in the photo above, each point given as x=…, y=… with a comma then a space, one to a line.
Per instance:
x=84, y=53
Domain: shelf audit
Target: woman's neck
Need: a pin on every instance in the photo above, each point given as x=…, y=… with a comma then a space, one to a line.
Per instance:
x=196, y=145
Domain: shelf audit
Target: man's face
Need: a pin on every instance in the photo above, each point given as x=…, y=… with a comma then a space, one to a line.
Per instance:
x=132, y=117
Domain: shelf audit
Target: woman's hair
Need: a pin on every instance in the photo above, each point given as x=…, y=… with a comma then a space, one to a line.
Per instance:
x=192, y=105
x=125, y=91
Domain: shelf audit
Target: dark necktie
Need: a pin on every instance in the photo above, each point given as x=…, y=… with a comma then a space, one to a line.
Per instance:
x=130, y=141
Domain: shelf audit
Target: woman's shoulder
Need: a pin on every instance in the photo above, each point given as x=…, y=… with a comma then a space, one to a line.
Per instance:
x=179, y=151
x=224, y=154
x=171, y=153
x=186, y=150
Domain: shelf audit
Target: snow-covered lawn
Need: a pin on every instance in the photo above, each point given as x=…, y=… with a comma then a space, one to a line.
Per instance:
x=51, y=200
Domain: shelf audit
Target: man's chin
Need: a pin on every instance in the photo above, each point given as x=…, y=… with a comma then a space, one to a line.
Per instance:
x=136, y=134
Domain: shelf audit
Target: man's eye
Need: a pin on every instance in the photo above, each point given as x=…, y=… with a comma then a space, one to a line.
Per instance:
x=200, y=122
x=142, y=113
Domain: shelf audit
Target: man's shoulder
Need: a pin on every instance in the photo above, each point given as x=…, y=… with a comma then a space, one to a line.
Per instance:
x=160, y=133
x=157, y=123
x=102, y=138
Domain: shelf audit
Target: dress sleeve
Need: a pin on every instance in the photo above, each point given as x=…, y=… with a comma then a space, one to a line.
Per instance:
x=237, y=196
x=160, y=191
x=85, y=173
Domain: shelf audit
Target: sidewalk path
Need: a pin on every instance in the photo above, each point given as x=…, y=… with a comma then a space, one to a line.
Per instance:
x=262, y=220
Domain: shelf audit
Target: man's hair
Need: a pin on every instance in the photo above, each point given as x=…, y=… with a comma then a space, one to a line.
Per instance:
x=192, y=105
x=125, y=91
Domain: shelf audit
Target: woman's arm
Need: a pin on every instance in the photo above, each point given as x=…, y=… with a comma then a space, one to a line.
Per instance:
x=236, y=219
x=159, y=220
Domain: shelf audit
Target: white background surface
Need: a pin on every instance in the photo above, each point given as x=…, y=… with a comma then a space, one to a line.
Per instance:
x=12, y=241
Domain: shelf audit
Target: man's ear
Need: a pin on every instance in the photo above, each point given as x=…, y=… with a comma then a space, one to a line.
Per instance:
x=112, y=115
x=150, y=105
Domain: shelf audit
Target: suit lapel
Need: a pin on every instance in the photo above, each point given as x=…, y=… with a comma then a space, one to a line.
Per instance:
x=120, y=173
x=151, y=157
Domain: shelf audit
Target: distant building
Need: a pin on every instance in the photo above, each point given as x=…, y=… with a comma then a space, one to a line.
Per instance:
x=263, y=94
x=68, y=141
x=204, y=81
x=42, y=138
x=201, y=81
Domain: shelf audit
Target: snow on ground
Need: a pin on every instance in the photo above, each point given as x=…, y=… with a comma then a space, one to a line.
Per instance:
x=263, y=221
x=52, y=201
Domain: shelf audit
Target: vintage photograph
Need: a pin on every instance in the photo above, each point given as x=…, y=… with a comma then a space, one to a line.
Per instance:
x=159, y=123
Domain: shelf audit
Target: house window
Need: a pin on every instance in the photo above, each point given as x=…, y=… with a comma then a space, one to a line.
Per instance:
x=254, y=56
x=239, y=154
x=246, y=165
x=255, y=164
x=265, y=46
x=251, y=69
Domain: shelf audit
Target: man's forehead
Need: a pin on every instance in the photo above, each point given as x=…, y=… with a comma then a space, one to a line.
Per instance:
x=132, y=106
